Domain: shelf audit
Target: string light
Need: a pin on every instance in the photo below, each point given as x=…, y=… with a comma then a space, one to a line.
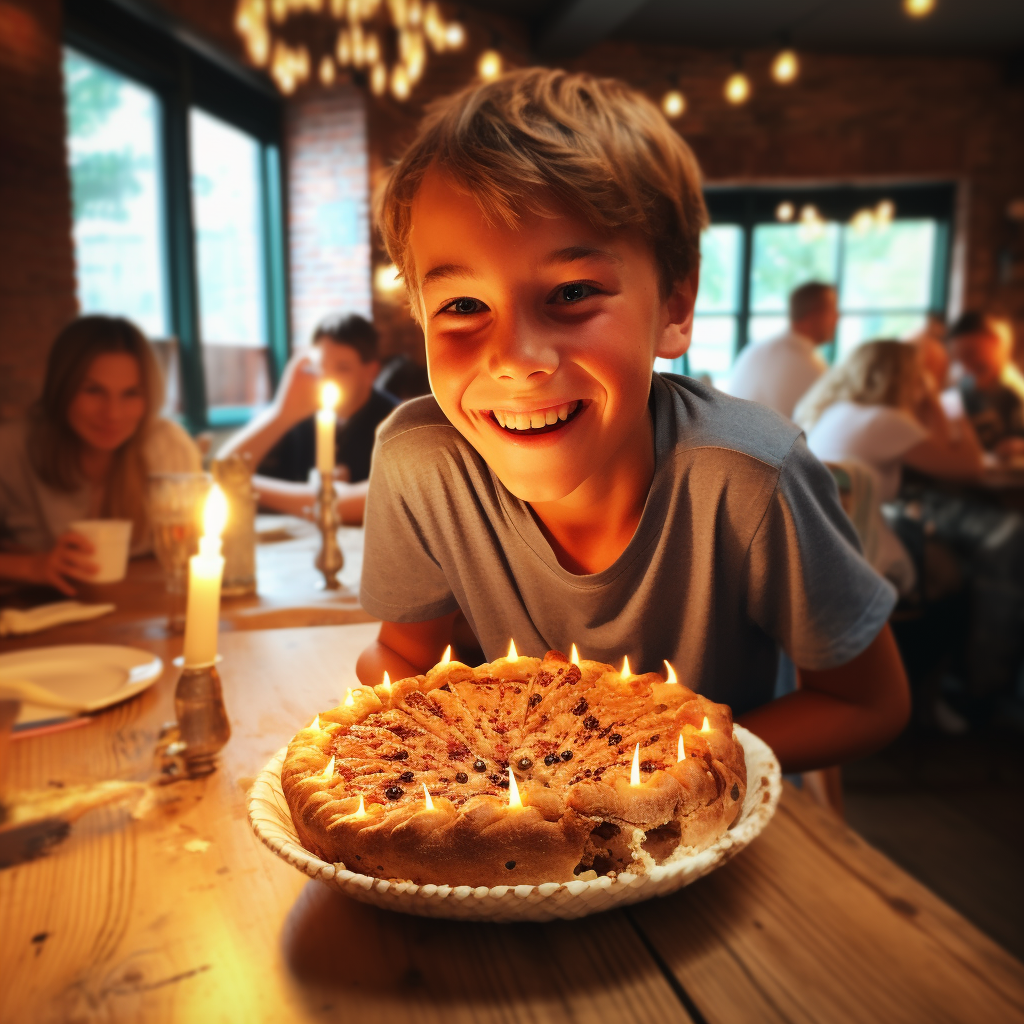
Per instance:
x=785, y=211
x=673, y=103
x=918, y=8
x=785, y=67
x=489, y=66
x=737, y=88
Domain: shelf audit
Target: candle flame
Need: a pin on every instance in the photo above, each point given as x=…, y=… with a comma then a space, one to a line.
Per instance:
x=670, y=674
x=315, y=724
x=513, y=654
x=328, y=772
x=447, y=656
x=349, y=700
x=625, y=673
x=681, y=754
x=361, y=810
x=330, y=395
x=426, y=798
x=634, y=774
x=514, y=799
x=574, y=657
x=215, y=512
x=705, y=727
x=387, y=681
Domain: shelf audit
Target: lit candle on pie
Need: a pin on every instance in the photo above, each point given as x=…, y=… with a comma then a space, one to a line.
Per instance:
x=513, y=654
x=625, y=673
x=513, y=790
x=447, y=656
x=350, y=699
x=315, y=724
x=426, y=798
x=574, y=657
x=326, y=421
x=361, y=810
x=329, y=770
x=681, y=753
x=705, y=727
x=670, y=674
x=205, y=571
x=634, y=774
x=387, y=682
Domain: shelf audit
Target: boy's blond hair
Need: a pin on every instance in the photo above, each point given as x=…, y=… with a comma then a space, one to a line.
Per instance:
x=539, y=141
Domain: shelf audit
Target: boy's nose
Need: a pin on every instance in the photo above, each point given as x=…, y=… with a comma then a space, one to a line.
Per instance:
x=518, y=353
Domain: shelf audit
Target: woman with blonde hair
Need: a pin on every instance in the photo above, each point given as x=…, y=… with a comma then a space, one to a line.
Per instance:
x=878, y=408
x=85, y=451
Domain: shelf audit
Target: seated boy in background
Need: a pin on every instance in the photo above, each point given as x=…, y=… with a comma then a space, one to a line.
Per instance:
x=556, y=490
x=282, y=441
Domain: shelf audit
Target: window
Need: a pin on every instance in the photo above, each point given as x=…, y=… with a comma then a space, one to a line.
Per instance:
x=886, y=250
x=116, y=190
x=174, y=161
x=227, y=215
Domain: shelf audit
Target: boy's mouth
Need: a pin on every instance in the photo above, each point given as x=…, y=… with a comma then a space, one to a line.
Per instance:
x=538, y=421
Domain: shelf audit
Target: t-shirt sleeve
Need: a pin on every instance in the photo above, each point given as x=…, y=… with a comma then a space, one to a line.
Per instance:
x=808, y=585
x=406, y=506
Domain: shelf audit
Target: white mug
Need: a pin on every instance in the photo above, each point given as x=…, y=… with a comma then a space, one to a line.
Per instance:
x=110, y=538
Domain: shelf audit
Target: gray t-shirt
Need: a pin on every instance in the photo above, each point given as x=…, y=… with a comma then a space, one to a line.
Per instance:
x=742, y=546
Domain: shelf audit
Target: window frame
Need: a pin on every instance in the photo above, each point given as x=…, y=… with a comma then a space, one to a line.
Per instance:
x=750, y=206
x=152, y=49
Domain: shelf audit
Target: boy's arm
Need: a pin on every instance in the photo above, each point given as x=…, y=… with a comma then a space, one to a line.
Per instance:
x=297, y=499
x=838, y=714
x=405, y=649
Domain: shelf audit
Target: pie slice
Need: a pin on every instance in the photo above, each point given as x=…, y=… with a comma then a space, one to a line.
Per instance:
x=413, y=783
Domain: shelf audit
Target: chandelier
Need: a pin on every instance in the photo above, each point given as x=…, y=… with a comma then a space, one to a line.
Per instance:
x=386, y=42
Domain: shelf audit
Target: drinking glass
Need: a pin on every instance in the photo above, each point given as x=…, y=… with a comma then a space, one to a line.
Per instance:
x=176, y=516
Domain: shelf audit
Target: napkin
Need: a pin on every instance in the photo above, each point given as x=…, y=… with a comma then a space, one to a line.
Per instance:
x=45, y=616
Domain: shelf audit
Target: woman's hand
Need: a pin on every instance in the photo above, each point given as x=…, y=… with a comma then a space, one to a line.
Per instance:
x=68, y=558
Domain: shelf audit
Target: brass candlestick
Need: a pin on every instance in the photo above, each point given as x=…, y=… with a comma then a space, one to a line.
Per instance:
x=329, y=559
x=203, y=726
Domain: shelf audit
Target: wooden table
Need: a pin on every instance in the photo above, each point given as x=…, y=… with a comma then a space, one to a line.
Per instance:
x=290, y=593
x=136, y=921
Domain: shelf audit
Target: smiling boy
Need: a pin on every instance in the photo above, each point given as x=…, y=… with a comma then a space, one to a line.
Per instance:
x=554, y=489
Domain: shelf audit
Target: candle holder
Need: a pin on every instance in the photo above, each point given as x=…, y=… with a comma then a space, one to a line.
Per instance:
x=329, y=559
x=203, y=726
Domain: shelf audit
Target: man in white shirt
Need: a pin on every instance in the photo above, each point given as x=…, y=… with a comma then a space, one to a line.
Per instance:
x=779, y=372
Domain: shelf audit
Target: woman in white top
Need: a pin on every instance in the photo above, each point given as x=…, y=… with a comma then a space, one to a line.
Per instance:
x=878, y=408
x=85, y=451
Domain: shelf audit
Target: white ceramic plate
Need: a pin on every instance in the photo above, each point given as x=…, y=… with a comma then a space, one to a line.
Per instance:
x=96, y=675
x=272, y=822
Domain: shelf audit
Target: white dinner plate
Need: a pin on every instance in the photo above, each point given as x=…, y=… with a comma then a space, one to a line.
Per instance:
x=96, y=675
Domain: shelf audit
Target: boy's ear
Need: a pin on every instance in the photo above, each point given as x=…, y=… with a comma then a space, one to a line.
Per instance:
x=678, y=329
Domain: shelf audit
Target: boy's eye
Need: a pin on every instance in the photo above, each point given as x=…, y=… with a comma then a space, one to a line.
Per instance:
x=570, y=293
x=464, y=307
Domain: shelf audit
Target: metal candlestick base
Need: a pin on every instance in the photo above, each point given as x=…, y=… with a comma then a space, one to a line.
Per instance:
x=329, y=559
x=203, y=726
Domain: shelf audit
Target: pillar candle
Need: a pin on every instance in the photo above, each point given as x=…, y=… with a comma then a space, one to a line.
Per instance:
x=326, y=420
x=205, y=570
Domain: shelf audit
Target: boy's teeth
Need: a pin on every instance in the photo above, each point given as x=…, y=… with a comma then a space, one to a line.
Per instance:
x=532, y=420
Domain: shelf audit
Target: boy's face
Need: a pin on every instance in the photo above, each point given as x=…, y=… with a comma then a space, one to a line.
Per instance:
x=541, y=339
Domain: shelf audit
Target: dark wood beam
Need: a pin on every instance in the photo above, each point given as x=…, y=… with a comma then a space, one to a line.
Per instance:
x=580, y=24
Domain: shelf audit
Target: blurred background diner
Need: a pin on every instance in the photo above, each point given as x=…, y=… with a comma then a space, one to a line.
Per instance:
x=188, y=258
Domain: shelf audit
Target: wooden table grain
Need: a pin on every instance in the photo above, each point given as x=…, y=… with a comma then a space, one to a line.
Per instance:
x=185, y=916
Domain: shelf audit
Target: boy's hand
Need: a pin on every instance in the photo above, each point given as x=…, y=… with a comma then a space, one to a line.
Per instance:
x=838, y=714
x=405, y=649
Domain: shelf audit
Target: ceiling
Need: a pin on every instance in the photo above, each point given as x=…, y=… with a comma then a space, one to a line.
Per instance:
x=563, y=29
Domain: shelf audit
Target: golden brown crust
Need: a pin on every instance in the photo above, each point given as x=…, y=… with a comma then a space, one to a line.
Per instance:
x=569, y=733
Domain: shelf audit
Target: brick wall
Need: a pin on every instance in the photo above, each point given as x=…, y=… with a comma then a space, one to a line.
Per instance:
x=328, y=207
x=37, y=290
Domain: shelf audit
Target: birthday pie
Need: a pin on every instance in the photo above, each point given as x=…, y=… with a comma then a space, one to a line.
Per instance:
x=522, y=771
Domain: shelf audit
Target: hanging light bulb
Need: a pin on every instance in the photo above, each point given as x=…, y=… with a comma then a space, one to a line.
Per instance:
x=737, y=88
x=673, y=103
x=378, y=84
x=327, y=71
x=785, y=211
x=918, y=8
x=454, y=35
x=785, y=67
x=488, y=67
x=400, y=87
